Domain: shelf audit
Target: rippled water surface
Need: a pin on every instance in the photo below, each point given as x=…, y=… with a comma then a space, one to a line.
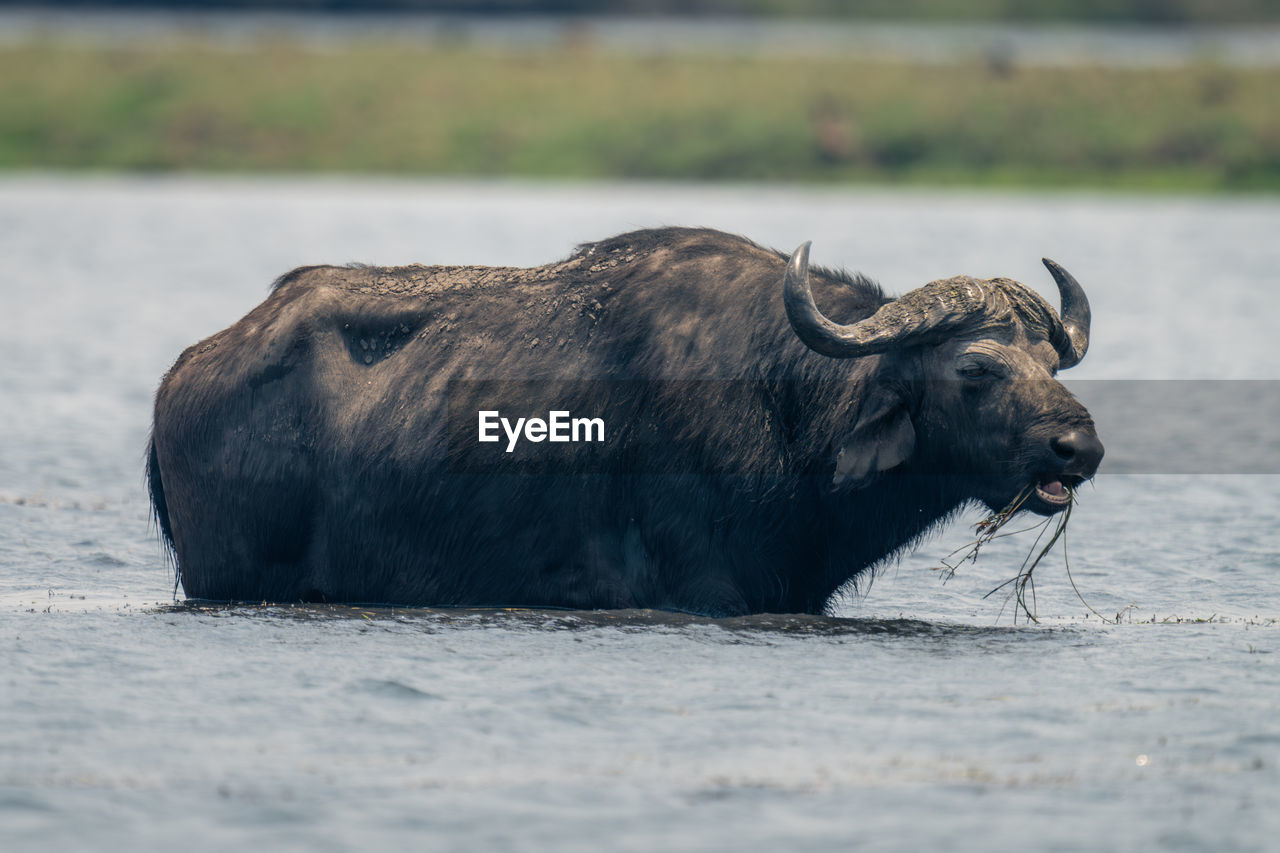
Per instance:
x=919, y=716
x=1057, y=43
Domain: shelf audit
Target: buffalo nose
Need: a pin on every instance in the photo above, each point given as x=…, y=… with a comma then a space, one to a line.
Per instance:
x=1079, y=451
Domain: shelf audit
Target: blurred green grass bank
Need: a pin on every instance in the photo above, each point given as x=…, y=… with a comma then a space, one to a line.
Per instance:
x=577, y=112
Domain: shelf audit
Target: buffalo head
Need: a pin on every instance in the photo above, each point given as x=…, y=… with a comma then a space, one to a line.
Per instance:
x=964, y=386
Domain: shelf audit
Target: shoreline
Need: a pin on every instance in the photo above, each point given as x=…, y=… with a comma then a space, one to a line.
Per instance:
x=459, y=112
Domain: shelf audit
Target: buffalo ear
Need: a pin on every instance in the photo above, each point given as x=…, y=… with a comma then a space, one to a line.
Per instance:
x=882, y=438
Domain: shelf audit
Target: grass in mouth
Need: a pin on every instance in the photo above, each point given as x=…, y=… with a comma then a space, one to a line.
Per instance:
x=1021, y=587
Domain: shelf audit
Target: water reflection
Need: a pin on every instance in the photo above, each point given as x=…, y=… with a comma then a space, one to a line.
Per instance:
x=542, y=619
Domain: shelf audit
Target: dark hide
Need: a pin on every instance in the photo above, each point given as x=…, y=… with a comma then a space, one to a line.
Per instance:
x=301, y=454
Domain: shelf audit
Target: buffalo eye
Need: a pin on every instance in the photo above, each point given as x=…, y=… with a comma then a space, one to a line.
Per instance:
x=976, y=371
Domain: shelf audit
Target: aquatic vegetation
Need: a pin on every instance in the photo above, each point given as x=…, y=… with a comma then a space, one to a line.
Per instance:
x=1021, y=587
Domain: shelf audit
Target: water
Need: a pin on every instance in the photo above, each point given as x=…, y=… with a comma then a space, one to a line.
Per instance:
x=1055, y=44
x=921, y=716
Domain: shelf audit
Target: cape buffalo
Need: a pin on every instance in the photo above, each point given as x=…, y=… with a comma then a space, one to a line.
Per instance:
x=755, y=455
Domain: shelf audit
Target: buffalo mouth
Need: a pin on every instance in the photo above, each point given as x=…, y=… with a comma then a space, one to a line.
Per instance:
x=1053, y=492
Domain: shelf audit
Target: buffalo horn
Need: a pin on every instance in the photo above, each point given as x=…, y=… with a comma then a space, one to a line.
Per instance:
x=1075, y=315
x=918, y=317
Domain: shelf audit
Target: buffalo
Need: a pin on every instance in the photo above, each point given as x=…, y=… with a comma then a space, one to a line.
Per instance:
x=406, y=435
